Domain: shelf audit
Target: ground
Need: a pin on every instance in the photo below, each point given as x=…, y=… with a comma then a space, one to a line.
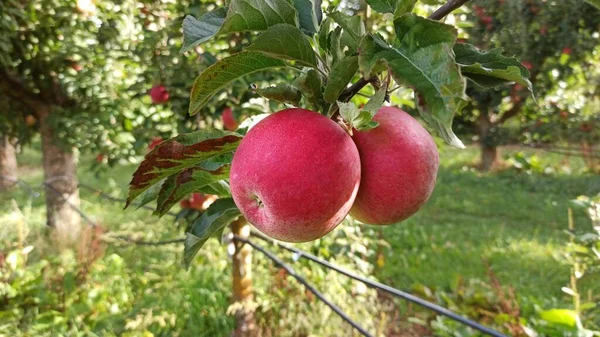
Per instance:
x=514, y=220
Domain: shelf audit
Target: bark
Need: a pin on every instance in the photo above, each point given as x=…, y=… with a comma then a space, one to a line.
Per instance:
x=8, y=164
x=242, y=282
x=60, y=176
x=489, y=151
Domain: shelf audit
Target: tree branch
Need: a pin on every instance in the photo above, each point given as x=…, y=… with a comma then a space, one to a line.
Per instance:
x=447, y=8
x=348, y=93
x=14, y=88
x=513, y=111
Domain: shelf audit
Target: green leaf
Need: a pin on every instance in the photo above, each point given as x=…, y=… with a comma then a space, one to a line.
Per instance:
x=253, y=15
x=285, y=42
x=218, y=215
x=490, y=69
x=595, y=3
x=396, y=7
x=127, y=124
x=340, y=76
x=324, y=31
x=310, y=86
x=222, y=73
x=284, y=93
x=353, y=25
x=219, y=188
x=335, y=47
x=149, y=195
x=424, y=60
x=309, y=12
x=198, y=31
x=560, y=316
x=178, y=186
x=362, y=119
x=178, y=154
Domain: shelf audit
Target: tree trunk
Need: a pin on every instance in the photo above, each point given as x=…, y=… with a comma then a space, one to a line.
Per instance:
x=242, y=282
x=60, y=178
x=489, y=151
x=8, y=164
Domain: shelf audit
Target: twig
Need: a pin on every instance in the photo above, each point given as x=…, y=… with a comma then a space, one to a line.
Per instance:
x=447, y=8
x=348, y=93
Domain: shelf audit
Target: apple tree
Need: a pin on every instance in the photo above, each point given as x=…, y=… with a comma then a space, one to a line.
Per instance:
x=552, y=39
x=74, y=72
x=333, y=57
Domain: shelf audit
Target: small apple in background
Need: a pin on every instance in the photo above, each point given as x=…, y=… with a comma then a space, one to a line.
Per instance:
x=229, y=120
x=198, y=201
x=100, y=158
x=159, y=94
x=586, y=127
x=543, y=30
x=185, y=203
x=295, y=175
x=399, y=165
x=76, y=66
x=486, y=20
x=567, y=50
x=154, y=143
x=527, y=65
x=564, y=114
x=30, y=120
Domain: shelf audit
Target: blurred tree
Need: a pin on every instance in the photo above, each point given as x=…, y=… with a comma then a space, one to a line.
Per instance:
x=552, y=38
x=68, y=70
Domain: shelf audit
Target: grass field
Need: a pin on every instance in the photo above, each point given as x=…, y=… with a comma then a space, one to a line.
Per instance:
x=516, y=221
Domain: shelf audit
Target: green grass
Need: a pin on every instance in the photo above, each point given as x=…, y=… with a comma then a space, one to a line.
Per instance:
x=514, y=220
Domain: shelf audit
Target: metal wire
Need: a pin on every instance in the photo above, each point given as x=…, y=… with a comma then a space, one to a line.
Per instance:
x=307, y=285
x=398, y=293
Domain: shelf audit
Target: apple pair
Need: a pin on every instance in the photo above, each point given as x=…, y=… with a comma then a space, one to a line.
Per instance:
x=297, y=174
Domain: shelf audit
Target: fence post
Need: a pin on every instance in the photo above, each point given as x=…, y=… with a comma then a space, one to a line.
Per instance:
x=242, y=281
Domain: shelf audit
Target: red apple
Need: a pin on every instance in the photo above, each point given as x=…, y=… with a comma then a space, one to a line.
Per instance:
x=567, y=50
x=229, y=120
x=564, y=114
x=527, y=65
x=100, y=158
x=197, y=200
x=30, y=120
x=154, y=143
x=586, y=127
x=159, y=94
x=486, y=20
x=295, y=175
x=185, y=203
x=399, y=164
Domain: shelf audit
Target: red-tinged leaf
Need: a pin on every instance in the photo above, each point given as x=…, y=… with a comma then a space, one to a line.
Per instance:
x=190, y=180
x=179, y=153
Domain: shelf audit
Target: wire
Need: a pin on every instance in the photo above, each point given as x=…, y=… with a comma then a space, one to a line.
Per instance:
x=148, y=243
x=66, y=200
x=411, y=298
x=303, y=281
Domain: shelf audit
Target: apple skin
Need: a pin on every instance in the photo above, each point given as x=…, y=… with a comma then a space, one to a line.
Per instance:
x=399, y=167
x=159, y=94
x=295, y=175
x=229, y=120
